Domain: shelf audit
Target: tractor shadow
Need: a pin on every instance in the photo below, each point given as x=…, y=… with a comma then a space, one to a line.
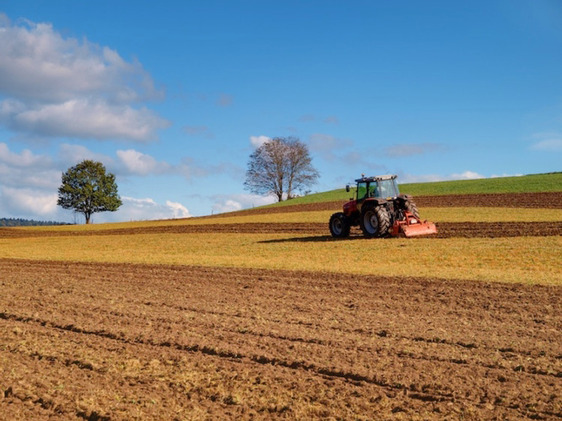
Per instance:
x=316, y=239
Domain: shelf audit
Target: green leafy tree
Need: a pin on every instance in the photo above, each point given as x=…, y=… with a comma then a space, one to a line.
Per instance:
x=88, y=189
x=281, y=166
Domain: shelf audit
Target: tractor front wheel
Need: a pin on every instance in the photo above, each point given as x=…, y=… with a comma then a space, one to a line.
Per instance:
x=339, y=225
x=375, y=222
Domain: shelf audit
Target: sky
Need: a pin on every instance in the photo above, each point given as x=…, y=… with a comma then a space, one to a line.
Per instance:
x=173, y=97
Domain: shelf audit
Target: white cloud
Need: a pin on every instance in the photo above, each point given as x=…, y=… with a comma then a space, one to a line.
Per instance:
x=234, y=202
x=28, y=201
x=179, y=210
x=141, y=164
x=83, y=118
x=27, y=170
x=420, y=178
x=426, y=178
x=547, y=142
x=467, y=175
x=134, y=209
x=134, y=162
x=506, y=175
x=549, y=145
x=257, y=141
x=228, y=205
x=25, y=159
x=128, y=162
x=56, y=86
x=71, y=154
x=38, y=63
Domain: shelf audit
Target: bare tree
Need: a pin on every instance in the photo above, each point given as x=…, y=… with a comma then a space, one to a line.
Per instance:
x=280, y=166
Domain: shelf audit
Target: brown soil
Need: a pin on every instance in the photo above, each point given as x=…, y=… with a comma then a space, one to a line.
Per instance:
x=446, y=230
x=507, y=200
x=101, y=342
x=498, y=229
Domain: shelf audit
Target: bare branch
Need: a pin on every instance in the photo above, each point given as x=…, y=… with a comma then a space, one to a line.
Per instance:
x=280, y=167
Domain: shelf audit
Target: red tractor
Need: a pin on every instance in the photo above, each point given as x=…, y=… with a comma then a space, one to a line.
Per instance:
x=380, y=211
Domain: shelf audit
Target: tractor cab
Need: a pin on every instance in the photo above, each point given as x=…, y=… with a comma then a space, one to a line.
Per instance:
x=382, y=189
x=383, y=186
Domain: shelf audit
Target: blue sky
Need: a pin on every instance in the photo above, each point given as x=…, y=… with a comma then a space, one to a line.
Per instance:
x=173, y=97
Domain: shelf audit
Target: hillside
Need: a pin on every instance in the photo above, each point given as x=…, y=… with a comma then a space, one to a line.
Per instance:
x=532, y=183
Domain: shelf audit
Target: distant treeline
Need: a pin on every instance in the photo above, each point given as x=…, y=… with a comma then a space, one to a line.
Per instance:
x=18, y=222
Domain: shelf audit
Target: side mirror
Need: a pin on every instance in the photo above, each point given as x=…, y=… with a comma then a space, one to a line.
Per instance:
x=347, y=188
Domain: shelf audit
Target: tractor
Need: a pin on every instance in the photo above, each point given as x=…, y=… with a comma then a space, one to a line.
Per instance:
x=380, y=211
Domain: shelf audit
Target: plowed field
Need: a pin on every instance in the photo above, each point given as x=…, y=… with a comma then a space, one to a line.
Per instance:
x=549, y=200
x=446, y=230
x=122, y=341
x=101, y=342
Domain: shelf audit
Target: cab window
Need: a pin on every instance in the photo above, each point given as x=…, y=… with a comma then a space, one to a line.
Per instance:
x=384, y=190
x=372, y=190
x=361, y=191
x=388, y=188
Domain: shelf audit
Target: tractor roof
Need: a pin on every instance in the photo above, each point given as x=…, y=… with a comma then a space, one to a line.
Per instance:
x=376, y=178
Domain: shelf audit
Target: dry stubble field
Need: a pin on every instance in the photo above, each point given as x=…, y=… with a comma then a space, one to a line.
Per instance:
x=98, y=340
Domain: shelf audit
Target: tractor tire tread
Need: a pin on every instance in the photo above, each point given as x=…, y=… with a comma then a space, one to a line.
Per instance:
x=383, y=219
x=339, y=225
x=412, y=208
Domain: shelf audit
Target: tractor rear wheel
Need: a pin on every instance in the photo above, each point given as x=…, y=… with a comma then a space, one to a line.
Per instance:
x=339, y=225
x=412, y=208
x=375, y=222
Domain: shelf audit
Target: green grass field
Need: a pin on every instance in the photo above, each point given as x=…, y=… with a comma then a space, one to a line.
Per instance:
x=524, y=184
